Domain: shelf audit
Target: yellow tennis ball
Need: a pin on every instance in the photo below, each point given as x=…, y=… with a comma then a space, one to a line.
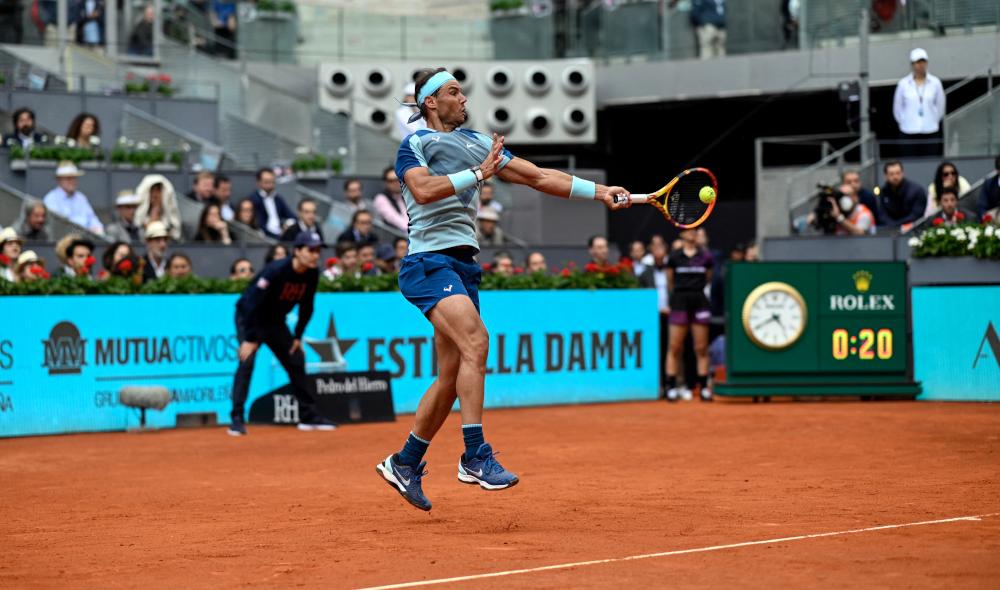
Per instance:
x=706, y=194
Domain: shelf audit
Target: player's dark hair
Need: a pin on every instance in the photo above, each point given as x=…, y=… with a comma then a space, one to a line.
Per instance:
x=591, y=239
x=892, y=163
x=261, y=171
x=422, y=79
x=304, y=201
x=232, y=267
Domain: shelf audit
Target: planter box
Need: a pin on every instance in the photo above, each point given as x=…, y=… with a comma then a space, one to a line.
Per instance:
x=166, y=167
x=313, y=175
x=275, y=15
x=91, y=164
x=124, y=166
x=964, y=270
x=24, y=164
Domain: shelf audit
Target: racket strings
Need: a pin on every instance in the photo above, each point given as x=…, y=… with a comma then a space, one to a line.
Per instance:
x=683, y=202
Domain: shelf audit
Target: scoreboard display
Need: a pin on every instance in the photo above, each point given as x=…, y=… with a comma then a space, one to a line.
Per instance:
x=810, y=328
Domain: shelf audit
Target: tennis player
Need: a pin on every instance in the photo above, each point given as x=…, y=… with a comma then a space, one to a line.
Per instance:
x=441, y=170
x=689, y=269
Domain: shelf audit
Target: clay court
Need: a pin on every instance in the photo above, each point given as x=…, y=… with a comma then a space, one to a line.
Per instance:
x=698, y=495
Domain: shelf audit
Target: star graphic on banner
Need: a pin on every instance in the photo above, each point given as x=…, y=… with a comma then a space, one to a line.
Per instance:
x=324, y=347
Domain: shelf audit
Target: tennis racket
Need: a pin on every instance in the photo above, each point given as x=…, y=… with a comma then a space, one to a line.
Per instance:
x=680, y=201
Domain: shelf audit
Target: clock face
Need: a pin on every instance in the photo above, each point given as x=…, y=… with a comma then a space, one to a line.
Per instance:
x=774, y=316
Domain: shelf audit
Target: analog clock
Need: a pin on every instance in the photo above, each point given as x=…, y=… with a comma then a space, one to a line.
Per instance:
x=774, y=316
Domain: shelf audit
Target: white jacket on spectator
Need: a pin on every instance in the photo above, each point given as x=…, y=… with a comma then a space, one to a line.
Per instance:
x=171, y=212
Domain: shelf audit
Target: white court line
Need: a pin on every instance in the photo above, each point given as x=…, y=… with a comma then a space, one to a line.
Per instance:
x=679, y=552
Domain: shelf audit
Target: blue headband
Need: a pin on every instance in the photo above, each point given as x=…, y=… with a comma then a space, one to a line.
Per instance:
x=431, y=86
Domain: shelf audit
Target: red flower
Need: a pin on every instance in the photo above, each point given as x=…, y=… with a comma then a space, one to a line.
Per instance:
x=130, y=76
x=518, y=270
x=103, y=275
x=612, y=270
x=959, y=215
x=487, y=267
x=37, y=270
x=125, y=265
x=90, y=261
x=164, y=78
x=591, y=267
x=626, y=262
x=938, y=221
x=565, y=272
x=4, y=260
x=331, y=261
x=366, y=267
x=571, y=264
x=987, y=218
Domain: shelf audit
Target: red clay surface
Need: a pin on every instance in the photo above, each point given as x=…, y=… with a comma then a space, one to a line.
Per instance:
x=282, y=508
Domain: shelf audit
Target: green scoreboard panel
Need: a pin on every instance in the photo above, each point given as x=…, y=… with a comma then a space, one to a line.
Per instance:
x=810, y=328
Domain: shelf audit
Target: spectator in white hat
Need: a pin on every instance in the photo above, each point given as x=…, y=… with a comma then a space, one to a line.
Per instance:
x=30, y=267
x=406, y=111
x=488, y=232
x=124, y=228
x=157, y=242
x=919, y=106
x=67, y=201
x=10, y=249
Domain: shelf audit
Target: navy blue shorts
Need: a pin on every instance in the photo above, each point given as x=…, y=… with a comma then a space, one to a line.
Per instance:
x=427, y=277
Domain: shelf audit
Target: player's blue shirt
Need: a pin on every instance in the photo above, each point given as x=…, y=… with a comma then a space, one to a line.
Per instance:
x=451, y=221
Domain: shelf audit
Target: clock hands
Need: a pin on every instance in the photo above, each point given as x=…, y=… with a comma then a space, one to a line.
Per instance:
x=774, y=318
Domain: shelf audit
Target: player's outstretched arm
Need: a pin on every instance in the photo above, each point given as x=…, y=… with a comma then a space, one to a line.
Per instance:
x=560, y=184
x=427, y=188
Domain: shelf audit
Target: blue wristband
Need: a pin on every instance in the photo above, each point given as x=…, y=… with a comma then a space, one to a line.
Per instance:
x=462, y=180
x=583, y=189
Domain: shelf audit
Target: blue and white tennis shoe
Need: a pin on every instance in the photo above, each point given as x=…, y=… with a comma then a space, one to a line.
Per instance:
x=485, y=470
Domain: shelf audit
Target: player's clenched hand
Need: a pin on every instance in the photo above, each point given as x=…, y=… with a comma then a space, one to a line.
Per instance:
x=491, y=164
x=609, y=198
x=247, y=349
x=296, y=346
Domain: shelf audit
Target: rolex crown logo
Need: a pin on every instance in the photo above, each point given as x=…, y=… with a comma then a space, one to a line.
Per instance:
x=862, y=280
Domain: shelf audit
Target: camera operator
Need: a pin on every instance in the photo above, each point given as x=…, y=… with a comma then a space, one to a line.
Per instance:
x=839, y=212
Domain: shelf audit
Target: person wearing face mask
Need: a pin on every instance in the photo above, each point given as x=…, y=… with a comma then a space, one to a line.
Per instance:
x=853, y=218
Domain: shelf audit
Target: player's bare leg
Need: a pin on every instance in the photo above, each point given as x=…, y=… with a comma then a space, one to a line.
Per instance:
x=699, y=332
x=674, y=360
x=456, y=319
x=436, y=404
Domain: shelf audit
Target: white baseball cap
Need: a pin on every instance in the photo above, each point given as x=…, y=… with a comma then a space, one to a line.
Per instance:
x=917, y=55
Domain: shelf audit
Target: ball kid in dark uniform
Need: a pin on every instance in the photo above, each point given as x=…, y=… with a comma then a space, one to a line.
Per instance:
x=260, y=319
x=689, y=269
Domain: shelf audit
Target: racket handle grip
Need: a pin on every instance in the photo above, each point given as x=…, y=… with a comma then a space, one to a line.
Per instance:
x=636, y=198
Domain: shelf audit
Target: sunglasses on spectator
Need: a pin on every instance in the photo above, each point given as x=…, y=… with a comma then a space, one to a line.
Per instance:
x=316, y=250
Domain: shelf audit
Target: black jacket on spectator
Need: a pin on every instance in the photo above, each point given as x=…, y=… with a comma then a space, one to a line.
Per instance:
x=352, y=235
x=284, y=211
x=294, y=230
x=148, y=270
x=989, y=195
x=140, y=42
x=903, y=205
x=274, y=292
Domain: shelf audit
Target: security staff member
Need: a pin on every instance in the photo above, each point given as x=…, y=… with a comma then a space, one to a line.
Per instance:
x=260, y=318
